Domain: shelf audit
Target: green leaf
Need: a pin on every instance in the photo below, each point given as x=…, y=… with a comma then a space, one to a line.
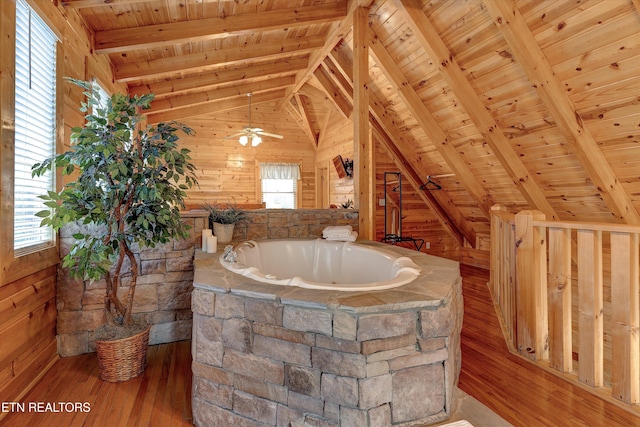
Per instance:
x=43, y=214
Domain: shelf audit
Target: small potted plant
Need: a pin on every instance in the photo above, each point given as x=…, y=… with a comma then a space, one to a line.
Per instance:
x=223, y=219
x=129, y=187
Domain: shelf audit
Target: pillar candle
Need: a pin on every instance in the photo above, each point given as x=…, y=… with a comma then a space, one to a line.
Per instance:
x=212, y=244
x=206, y=232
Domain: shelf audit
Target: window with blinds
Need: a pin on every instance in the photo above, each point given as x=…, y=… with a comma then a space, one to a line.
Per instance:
x=35, y=125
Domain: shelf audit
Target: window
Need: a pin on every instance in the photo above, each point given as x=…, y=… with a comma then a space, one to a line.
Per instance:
x=279, y=185
x=35, y=127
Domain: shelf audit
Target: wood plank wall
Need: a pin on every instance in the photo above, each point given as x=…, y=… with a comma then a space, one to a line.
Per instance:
x=28, y=289
x=229, y=172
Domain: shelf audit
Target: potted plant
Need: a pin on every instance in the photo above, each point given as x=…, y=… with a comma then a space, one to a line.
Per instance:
x=223, y=219
x=128, y=192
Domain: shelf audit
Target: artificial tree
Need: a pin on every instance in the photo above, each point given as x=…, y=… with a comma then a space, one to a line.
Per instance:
x=130, y=185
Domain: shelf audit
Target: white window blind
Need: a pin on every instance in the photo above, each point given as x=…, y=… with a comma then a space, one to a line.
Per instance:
x=279, y=185
x=35, y=129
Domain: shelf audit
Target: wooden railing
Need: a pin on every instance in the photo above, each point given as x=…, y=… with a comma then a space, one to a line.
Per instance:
x=569, y=297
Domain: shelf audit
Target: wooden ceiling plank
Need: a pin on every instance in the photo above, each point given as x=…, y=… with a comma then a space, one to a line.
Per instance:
x=297, y=117
x=83, y=4
x=162, y=67
x=333, y=38
x=334, y=94
x=149, y=36
x=215, y=106
x=307, y=122
x=431, y=126
x=176, y=86
x=393, y=143
x=529, y=55
x=484, y=121
x=179, y=101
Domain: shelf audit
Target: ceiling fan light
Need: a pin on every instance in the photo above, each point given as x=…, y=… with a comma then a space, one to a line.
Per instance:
x=255, y=140
x=243, y=140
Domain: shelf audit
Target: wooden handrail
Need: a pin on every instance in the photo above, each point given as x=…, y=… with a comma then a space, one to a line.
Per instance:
x=536, y=265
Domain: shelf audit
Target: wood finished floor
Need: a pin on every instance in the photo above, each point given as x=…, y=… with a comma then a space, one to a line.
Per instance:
x=523, y=394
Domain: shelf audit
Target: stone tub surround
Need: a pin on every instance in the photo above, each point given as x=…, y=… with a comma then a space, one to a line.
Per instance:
x=267, y=355
x=162, y=298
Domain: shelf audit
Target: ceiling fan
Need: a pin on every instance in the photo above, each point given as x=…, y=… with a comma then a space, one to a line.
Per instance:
x=251, y=134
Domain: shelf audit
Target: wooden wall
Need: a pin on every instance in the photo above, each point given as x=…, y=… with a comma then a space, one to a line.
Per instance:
x=228, y=171
x=337, y=139
x=28, y=344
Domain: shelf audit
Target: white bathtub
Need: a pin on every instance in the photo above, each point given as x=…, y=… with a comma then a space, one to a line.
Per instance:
x=322, y=264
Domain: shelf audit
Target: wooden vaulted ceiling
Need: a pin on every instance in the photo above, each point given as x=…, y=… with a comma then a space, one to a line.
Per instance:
x=529, y=104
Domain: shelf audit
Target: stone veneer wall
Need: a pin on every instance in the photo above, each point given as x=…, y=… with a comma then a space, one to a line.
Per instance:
x=163, y=291
x=273, y=362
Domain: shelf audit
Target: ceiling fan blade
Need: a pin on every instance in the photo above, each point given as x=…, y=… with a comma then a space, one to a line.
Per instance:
x=235, y=135
x=273, y=135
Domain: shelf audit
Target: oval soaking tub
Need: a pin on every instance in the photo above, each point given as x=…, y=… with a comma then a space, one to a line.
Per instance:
x=322, y=264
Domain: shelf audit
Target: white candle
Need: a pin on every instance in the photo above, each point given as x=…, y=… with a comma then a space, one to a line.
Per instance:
x=206, y=232
x=212, y=244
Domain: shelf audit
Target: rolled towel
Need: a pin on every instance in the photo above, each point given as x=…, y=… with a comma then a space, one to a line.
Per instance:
x=351, y=237
x=337, y=231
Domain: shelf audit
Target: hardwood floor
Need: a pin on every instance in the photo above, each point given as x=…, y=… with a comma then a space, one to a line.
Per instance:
x=523, y=394
x=160, y=397
x=517, y=390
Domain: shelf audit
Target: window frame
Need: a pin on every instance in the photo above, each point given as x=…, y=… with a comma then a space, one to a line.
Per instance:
x=14, y=266
x=298, y=189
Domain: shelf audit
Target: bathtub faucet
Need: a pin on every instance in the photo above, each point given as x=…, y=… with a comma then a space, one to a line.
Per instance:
x=230, y=254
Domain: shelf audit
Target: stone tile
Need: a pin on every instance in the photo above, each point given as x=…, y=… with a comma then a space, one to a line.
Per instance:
x=261, y=311
x=307, y=320
x=170, y=332
x=344, y=326
x=286, y=351
x=377, y=368
x=332, y=411
x=256, y=408
x=418, y=359
x=417, y=392
x=209, y=327
x=376, y=326
x=280, y=333
x=303, y=380
x=374, y=391
x=73, y=344
x=436, y=323
x=380, y=416
x=351, y=417
x=227, y=306
x=432, y=344
x=181, y=263
x=220, y=395
x=154, y=266
x=253, y=366
x=259, y=388
x=306, y=404
x=207, y=414
x=71, y=322
x=212, y=373
x=391, y=354
x=202, y=302
x=337, y=344
x=385, y=344
x=237, y=334
x=173, y=296
x=340, y=390
x=338, y=363
x=208, y=351
x=286, y=416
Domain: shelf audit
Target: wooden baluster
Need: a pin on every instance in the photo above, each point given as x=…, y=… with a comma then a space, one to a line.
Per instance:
x=590, y=307
x=560, y=299
x=625, y=292
x=531, y=284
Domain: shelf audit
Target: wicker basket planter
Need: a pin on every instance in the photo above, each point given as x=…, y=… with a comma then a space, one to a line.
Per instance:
x=224, y=232
x=124, y=359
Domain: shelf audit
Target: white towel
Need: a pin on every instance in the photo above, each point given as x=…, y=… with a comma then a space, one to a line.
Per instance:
x=337, y=231
x=351, y=237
